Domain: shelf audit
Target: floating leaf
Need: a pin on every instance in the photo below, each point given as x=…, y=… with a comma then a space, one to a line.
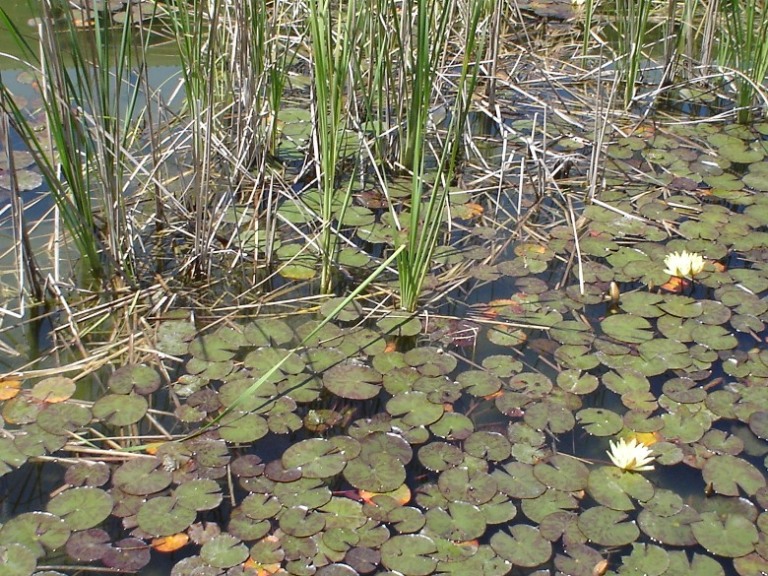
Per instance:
x=727, y=474
x=224, y=551
x=523, y=546
x=39, y=532
x=317, y=458
x=162, y=516
x=670, y=529
x=732, y=536
x=120, y=409
x=409, y=554
x=627, y=328
x=562, y=472
x=615, y=489
x=81, y=508
x=54, y=390
x=142, y=476
x=600, y=421
x=646, y=559
x=200, y=494
x=89, y=545
x=17, y=560
x=353, y=381
x=170, y=543
x=607, y=527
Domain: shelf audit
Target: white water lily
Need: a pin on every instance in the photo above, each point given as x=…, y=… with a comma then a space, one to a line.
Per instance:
x=632, y=456
x=684, y=264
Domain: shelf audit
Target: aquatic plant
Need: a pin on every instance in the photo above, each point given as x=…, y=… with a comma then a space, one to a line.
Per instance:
x=683, y=264
x=743, y=49
x=631, y=455
x=90, y=96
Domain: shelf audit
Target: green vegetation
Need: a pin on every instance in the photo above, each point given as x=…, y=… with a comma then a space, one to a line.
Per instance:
x=396, y=287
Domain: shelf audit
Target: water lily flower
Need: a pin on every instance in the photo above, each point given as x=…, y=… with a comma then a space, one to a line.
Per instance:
x=684, y=264
x=632, y=456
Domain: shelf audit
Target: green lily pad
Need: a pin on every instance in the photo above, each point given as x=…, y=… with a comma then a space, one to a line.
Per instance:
x=672, y=354
x=317, y=458
x=120, y=409
x=409, y=554
x=600, y=421
x=671, y=530
x=467, y=485
x=728, y=473
x=56, y=418
x=199, y=494
x=353, y=381
x=523, y=546
x=380, y=473
x=142, y=476
x=134, y=378
x=438, y=456
x=81, y=508
x=698, y=565
x=607, y=527
x=562, y=472
x=646, y=559
x=732, y=536
x=517, y=480
x=39, y=532
x=243, y=427
x=163, y=516
x=615, y=489
x=581, y=560
x=627, y=328
x=224, y=551
x=460, y=521
x=17, y=560
x=300, y=522
x=414, y=408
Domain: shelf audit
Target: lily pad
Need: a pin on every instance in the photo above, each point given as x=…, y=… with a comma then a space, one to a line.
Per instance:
x=607, y=527
x=317, y=458
x=409, y=554
x=353, y=381
x=728, y=473
x=627, y=328
x=523, y=546
x=224, y=551
x=81, y=508
x=120, y=409
x=163, y=516
x=732, y=536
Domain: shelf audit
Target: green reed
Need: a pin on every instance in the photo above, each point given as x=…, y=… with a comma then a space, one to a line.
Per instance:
x=745, y=50
x=333, y=37
x=632, y=18
x=90, y=100
x=422, y=227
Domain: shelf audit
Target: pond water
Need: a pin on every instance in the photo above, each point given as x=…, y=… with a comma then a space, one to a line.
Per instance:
x=584, y=390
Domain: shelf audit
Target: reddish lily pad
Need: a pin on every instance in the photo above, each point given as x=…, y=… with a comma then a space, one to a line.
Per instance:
x=127, y=555
x=89, y=545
